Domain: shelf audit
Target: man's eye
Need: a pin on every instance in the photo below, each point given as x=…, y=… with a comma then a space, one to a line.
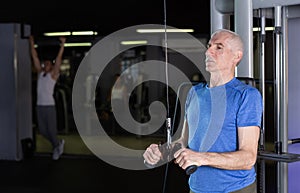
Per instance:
x=219, y=47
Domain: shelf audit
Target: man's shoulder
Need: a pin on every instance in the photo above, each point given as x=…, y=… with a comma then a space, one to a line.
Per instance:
x=243, y=88
x=200, y=85
x=243, y=85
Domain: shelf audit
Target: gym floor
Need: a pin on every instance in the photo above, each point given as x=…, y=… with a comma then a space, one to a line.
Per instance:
x=79, y=170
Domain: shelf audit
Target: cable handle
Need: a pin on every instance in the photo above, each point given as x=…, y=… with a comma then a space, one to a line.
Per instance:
x=169, y=135
x=190, y=169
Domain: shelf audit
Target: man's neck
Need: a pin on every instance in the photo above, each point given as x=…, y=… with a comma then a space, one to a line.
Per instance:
x=219, y=79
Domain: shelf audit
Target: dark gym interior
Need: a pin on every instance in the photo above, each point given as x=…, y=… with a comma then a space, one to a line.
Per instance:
x=25, y=162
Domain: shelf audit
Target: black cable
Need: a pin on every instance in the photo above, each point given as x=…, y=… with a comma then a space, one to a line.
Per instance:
x=165, y=177
x=167, y=92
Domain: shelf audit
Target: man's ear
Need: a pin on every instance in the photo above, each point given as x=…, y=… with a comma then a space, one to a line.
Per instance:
x=238, y=56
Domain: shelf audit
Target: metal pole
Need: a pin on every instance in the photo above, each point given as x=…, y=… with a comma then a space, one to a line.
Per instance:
x=262, y=74
x=278, y=76
x=282, y=185
x=284, y=82
x=284, y=100
x=262, y=188
x=218, y=20
x=278, y=143
x=243, y=16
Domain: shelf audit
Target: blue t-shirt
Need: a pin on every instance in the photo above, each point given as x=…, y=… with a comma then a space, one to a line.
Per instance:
x=214, y=115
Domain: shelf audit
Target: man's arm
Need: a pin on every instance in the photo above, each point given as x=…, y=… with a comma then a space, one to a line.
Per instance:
x=34, y=55
x=183, y=139
x=243, y=159
x=58, y=59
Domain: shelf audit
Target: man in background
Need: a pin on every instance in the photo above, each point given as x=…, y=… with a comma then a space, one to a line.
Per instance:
x=48, y=72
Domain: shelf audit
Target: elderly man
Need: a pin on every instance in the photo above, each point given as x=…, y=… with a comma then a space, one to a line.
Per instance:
x=221, y=126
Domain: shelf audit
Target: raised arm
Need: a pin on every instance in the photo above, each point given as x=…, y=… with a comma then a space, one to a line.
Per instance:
x=34, y=55
x=58, y=59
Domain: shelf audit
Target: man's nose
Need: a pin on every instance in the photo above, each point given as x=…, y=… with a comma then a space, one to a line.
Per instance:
x=208, y=50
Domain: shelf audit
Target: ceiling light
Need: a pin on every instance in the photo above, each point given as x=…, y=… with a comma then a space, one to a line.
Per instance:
x=78, y=44
x=80, y=33
x=163, y=30
x=57, y=33
x=68, y=33
x=134, y=42
x=266, y=29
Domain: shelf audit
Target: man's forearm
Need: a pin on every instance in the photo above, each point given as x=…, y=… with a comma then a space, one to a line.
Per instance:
x=238, y=160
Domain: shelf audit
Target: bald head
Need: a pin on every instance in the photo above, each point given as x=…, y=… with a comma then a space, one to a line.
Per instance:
x=233, y=38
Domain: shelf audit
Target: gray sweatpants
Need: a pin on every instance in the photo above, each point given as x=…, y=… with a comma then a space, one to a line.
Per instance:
x=46, y=120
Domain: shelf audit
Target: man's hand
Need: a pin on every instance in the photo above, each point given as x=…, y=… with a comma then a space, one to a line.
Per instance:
x=62, y=40
x=152, y=155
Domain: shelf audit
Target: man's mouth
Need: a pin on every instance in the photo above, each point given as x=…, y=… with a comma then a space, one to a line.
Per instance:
x=208, y=59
